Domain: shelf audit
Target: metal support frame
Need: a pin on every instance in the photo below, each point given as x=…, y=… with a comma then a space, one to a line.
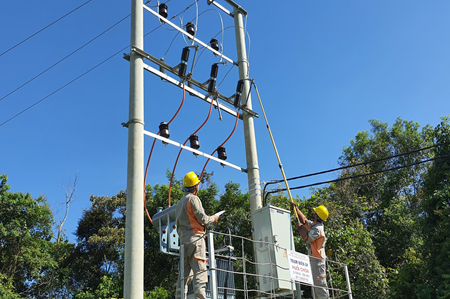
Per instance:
x=232, y=3
x=197, y=152
x=347, y=279
x=182, y=278
x=188, y=35
x=212, y=266
x=173, y=70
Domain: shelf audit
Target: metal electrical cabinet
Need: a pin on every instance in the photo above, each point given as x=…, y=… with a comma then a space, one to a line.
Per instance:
x=165, y=222
x=273, y=230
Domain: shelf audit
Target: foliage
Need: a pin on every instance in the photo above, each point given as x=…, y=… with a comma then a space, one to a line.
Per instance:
x=389, y=222
x=435, y=220
x=26, y=250
x=101, y=240
x=107, y=289
x=157, y=293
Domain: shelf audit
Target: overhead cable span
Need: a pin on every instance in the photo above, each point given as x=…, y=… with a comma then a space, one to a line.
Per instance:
x=356, y=165
x=359, y=175
x=197, y=152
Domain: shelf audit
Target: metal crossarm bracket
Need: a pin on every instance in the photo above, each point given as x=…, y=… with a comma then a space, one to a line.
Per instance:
x=197, y=152
x=173, y=70
x=189, y=36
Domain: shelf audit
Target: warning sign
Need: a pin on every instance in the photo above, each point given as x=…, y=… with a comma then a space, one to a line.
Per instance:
x=300, y=267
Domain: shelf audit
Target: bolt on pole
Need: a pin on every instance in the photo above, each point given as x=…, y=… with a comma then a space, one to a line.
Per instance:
x=134, y=227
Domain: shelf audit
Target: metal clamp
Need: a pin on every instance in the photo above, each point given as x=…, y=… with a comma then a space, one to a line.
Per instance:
x=133, y=121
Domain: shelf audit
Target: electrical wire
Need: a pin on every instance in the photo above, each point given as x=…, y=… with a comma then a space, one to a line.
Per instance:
x=45, y=27
x=358, y=164
x=151, y=151
x=65, y=85
x=70, y=82
x=181, y=19
x=181, y=149
x=55, y=64
x=171, y=44
x=360, y=175
x=225, y=76
x=231, y=134
x=222, y=31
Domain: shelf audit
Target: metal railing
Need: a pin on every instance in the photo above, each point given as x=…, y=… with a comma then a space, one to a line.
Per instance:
x=246, y=279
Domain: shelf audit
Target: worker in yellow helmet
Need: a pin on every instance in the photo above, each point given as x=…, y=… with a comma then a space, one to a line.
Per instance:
x=313, y=233
x=191, y=222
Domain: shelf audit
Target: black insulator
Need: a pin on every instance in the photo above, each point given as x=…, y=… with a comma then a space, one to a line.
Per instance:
x=163, y=10
x=212, y=79
x=164, y=130
x=214, y=44
x=182, y=70
x=221, y=153
x=183, y=64
x=214, y=70
x=193, y=139
x=185, y=54
x=237, y=96
x=190, y=28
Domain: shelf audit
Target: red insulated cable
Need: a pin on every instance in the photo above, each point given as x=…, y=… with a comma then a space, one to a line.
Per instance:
x=150, y=155
x=176, y=161
x=232, y=132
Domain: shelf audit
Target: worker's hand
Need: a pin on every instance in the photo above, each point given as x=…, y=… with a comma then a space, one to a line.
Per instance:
x=293, y=205
x=298, y=225
x=216, y=218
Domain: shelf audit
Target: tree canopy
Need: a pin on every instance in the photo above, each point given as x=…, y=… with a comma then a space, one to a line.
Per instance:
x=389, y=222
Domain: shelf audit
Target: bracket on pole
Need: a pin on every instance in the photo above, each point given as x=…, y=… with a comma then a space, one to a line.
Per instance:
x=197, y=152
x=189, y=80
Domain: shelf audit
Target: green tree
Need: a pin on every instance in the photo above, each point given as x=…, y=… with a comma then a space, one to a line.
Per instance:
x=390, y=198
x=100, y=247
x=107, y=289
x=26, y=249
x=435, y=218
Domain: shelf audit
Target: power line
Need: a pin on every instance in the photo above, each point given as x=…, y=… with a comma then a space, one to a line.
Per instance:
x=358, y=176
x=67, y=84
x=63, y=58
x=358, y=164
x=45, y=27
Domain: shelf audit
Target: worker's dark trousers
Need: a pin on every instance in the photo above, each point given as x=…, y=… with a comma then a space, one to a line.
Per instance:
x=318, y=268
x=194, y=267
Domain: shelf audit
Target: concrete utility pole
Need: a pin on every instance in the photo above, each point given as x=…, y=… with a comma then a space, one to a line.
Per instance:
x=254, y=182
x=134, y=230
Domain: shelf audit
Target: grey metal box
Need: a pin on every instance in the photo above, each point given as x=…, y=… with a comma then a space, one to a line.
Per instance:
x=273, y=225
x=165, y=222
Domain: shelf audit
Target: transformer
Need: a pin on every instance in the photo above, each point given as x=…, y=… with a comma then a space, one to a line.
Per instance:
x=273, y=233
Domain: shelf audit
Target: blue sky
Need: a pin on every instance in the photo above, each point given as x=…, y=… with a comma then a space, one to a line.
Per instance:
x=323, y=69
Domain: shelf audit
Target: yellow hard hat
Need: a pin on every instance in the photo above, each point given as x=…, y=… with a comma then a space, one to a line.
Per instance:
x=190, y=180
x=322, y=212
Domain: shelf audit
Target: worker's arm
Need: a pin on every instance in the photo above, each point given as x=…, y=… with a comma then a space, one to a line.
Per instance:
x=303, y=231
x=300, y=215
x=200, y=212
